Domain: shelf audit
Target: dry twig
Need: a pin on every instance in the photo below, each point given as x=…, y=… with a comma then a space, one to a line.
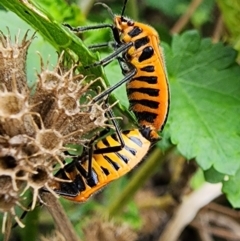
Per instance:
x=188, y=210
x=184, y=19
x=218, y=30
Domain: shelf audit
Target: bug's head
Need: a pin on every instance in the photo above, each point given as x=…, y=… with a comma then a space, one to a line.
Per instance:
x=122, y=23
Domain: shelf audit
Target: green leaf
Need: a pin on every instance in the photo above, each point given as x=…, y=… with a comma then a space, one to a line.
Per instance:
x=62, y=11
x=213, y=176
x=205, y=102
x=232, y=190
x=197, y=180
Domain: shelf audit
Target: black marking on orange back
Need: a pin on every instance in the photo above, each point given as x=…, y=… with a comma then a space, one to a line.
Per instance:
x=131, y=150
x=141, y=42
x=126, y=132
x=147, y=79
x=135, y=31
x=146, y=116
x=80, y=185
x=72, y=188
x=149, y=91
x=105, y=142
x=67, y=189
x=148, y=68
x=147, y=53
x=105, y=170
x=149, y=103
x=113, y=163
x=81, y=169
x=115, y=138
x=122, y=157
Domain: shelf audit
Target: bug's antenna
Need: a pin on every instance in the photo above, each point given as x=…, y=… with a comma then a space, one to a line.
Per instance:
x=124, y=7
x=107, y=7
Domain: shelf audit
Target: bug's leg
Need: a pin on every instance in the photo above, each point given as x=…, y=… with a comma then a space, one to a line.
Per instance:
x=80, y=29
x=25, y=213
x=112, y=88
x=118, y=136
x=111, y=44
x=90, y=156
x=107, y=149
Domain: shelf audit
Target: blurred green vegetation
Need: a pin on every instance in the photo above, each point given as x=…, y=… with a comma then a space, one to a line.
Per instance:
x=204, y=82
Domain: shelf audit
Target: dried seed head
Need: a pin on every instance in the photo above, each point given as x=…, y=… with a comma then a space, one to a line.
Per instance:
x=13, y=61
x=98, y=230
x=49, y=140
x=10, y=104
x=55, y=236
x=34, y=129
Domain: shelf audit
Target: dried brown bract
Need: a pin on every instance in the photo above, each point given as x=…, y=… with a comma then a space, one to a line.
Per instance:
x=55, y=236
x=35, y=126
x=99, y=230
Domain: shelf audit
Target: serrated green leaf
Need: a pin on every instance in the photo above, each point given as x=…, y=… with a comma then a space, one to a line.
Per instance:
x=205, y=102
x=232, y=190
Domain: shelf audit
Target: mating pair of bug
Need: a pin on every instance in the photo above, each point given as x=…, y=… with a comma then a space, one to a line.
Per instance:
x=136, y=47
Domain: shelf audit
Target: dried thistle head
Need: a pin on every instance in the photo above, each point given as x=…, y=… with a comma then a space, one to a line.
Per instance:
x=99, y=230
x=13, y=60
x=55, y=236
x=35, y=128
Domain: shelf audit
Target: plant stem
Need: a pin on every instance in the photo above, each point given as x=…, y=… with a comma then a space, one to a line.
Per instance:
x=218, y=30
x=61, y=220
x=133, y=9
x=147, y=169
x=184, y=19
x=188, y=209
x=8, y=228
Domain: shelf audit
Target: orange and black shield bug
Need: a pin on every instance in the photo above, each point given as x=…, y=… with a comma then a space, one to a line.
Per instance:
x=137, y=49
